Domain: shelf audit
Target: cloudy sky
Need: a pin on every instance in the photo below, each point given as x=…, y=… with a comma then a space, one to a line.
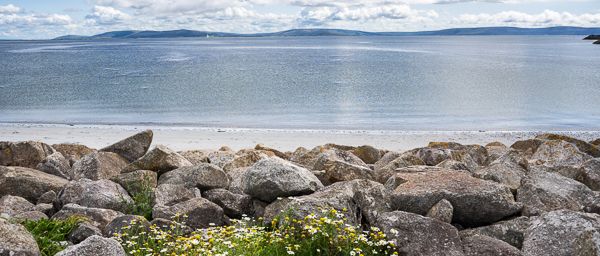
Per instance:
x=38, y=19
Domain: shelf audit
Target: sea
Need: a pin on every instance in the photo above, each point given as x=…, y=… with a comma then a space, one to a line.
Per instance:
x=428, y=83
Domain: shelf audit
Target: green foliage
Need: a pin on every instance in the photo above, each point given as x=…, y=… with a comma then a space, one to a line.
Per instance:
x=143, y=197
x=51, y=235
x=329, y=235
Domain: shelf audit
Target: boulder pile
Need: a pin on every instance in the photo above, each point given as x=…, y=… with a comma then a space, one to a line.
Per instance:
x=539, y=196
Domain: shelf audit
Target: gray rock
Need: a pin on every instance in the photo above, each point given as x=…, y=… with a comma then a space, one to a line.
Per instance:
x=82, y=232
x=30, y=215
x=386, y=159
x=276, y=152
x=99, y=165
x=555, y=153
x=195, y=213
x=587, y=243
x=414, y=234
x=508, y=169
x=132, y=148
x=98, y=217
x=235, y=176
x=28, y=183
x=47, y=209
x=495, y=150
x=13, y=205
x=56, y=164
x=442, y=211
x=473, y=156
x=117, y=225
x=336, y=169
x=244, y=159
x=137, y=181
x=527, y=147
x=432, y=156
x=382, y=174
x=544, y=191
x=307, y=158
x=73, y=152
x=480, y=245
x=160, y=159
x=93, y=246
x=367, y=154
x=476, y=202
x=25, y=153
x=271, y=178
x=331, y=155
x=96, y=194
x=234, y=205
x=583, y=146
x=589, y=174
x=221, y=158
x=47, y=198
x=16, y=240
x=510, y=231
x=196, y=157
x=203, y=176
x=450, y=164
x=170, y=194
x=555, y=233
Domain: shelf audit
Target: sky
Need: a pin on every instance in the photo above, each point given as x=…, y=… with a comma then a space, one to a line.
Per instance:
x=42, y=19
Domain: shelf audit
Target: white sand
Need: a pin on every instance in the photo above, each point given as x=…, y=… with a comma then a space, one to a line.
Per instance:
x=183, y=138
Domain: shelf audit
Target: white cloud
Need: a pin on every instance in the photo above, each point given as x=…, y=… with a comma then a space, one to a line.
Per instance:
x=106, y=15
x=546, y=18
x=9, y=9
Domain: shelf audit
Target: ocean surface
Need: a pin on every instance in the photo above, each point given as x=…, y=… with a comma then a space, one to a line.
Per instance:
x=504, y=83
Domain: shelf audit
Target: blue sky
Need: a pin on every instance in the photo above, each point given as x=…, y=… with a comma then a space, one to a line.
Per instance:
x=38, y=19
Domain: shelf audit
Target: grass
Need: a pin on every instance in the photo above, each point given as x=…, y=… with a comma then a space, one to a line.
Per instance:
x=329, y=235
x=143, y=197
x=51, y=235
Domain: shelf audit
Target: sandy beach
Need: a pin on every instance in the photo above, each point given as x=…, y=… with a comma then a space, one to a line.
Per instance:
x=185, y=138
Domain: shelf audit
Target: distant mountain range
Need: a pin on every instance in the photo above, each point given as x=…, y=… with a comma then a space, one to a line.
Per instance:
x=341, y=32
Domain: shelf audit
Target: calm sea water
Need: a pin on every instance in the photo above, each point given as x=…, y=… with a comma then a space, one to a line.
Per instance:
x=365, y=83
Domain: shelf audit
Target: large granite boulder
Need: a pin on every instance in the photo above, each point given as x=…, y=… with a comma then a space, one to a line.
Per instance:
x=527, y=147
x=56, y=164
x=82, y=232
x=196, y=157
x=583, y=146
x=93, y=246
x=118, y=224
x=556, y=232
x=99, y=165
x=13, y=205
x=28, y=183
x=16, y=240
x=170, y=194
x=414, y=234
x=442, y=211
x=221, y=158
x=546, y=191
x=476, y=202
x=386, y=159
x=25, y=153
x=271, y=178
x=495, y=150
x=307, y=158
x=160, y=159
x=589, y=174
x=73, y=152
x=509, y=169
x=98, y=217
x=96, y=194
x=137, y=181
x=196, y=213
x=336, y=168
x=133, y=147
x=203, y=176
x=481, y=245
x=383, y=173
x=244, y=159
x=557, y=153
x=510, y=231
x=367, y=154
x=276, y=152
x=234, y=205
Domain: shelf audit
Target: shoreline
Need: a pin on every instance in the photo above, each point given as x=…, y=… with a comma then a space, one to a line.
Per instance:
x=188, y=138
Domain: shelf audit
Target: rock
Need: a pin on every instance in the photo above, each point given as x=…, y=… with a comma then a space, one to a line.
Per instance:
x=30, y=215
x=93, y=246
x=171, y=226
x=508, y=170
x=56, y=164
x=360, y=198
x=580, y=144
x=510, y=231
x=479, y=245
x=47, y=198
x=382, y=174
x=527, y=147
x=473, y=156
x=595, y=142
x=450, y=164
x=271, y=178
x=235, y=176
x=555, y=233
x=132, y=148
x=195, y=157
x=137, y=181
x=28, y=183
x=589, y=174
x=341, y=166
x=160, y=159
x=170, y=194
x=544, y=191
x=432, y=156
x=13, y=205
x=275, y=151
x=386, y=159
x=98, y=217
x=99, y=165
x=220, y=158
x=96, y=194
x=199, y=211
x=73, y=152
x=117, y=224
x=25, y=154
x=555, y=153
x=83, y=231
x=203, y=176
x=587, y=243
x=367, y=154
x=495, y=150
x=16, y=240
x=234, y=205
x=244, y=159
x=306, y=158
x=47, y=209
x=414, y=234
x=441, y=211
x=476, y=202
